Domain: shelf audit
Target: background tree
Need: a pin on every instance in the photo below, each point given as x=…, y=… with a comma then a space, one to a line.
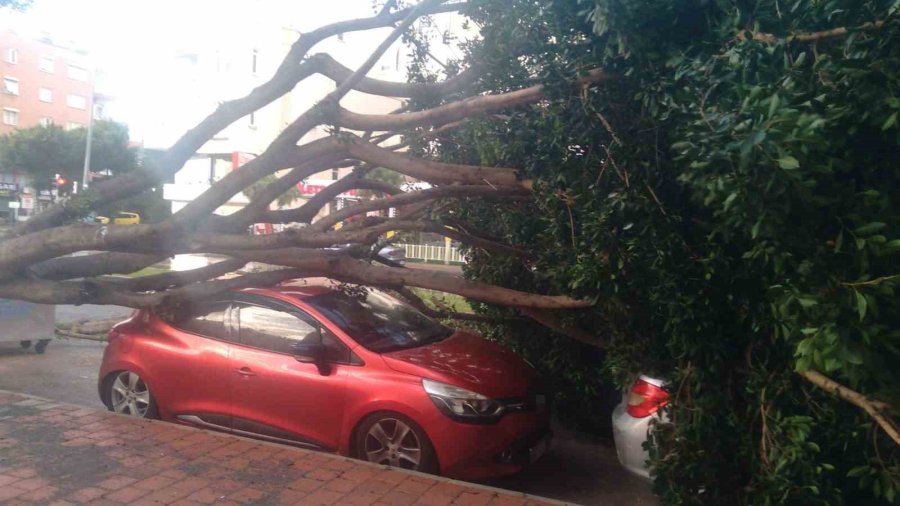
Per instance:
x=43, y=151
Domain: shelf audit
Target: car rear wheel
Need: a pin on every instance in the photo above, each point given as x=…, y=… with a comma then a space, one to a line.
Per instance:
x=395, y=440
x=128, y=394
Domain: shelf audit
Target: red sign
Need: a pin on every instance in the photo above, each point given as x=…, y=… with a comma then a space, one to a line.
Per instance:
x=238, y=159
x=312, y=189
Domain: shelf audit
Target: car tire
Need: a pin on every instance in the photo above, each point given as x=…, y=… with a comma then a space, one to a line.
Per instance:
x=125, y=392
x=393, y=439
x=25, y=344
x=41, y=346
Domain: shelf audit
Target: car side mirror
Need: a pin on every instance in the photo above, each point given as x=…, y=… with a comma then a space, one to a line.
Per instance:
x=312, y=351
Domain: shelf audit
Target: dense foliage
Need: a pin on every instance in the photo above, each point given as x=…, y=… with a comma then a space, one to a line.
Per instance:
x=731, y=202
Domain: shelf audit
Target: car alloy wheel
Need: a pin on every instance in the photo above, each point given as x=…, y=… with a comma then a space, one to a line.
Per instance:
x=129, y=395
x=393, y=442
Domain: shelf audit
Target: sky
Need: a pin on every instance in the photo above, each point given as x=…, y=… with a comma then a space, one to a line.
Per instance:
x=135, y=43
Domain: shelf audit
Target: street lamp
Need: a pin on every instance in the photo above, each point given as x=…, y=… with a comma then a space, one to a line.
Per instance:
x=87, y=148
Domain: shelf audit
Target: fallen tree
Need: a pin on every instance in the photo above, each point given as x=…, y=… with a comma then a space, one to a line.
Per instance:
x=36, y=262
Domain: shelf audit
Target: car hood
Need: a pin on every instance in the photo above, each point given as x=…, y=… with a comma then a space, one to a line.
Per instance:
x=468, y=361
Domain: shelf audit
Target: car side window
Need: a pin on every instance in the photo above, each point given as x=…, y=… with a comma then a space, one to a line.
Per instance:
x=206, y=319
x=274, y=330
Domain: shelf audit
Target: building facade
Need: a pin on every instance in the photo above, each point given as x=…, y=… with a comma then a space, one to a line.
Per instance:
x=42, y=83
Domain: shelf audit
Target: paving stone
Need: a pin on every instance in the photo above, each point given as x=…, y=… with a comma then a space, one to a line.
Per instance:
x=65, y=455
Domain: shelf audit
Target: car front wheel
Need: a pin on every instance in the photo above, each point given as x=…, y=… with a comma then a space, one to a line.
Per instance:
x=395, y=440
x=128, y=394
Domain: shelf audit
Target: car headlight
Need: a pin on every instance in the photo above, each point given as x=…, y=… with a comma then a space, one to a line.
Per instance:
x=462, y=405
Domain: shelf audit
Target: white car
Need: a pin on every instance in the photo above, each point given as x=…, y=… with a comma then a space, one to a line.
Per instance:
x=631, y=422
x=390, y=252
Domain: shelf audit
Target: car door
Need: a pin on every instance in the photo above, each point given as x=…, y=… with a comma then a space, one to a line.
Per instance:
x=276, y=396
x=194, y=362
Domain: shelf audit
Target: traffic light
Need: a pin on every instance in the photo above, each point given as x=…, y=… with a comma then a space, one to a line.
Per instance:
x=59, y=183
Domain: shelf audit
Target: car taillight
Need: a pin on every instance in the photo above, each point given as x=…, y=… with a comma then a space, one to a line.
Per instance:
x=645, y=398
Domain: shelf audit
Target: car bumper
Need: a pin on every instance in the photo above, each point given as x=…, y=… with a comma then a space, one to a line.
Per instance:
x=629, y=434
x=472, y=452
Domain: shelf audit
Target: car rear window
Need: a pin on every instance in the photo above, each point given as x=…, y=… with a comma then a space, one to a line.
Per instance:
x=378, y=321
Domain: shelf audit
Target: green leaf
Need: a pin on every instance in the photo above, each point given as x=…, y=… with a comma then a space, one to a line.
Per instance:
x=861, y=305
x=892, y=246
x=806, y=302
x=774, y=102
x=788, y=163
x=891, y=121
x=857, y=471
x=870, y=228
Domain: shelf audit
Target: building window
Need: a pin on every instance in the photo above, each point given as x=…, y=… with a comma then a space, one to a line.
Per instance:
x=334, y=174
x=45, y=95
x=47, y=64
x=76, y=102
x=46, y=121
x=12, y=55
x=10, y=86
x=73, y=125
x=10, y=116
x=254, y=60
x=78, y=73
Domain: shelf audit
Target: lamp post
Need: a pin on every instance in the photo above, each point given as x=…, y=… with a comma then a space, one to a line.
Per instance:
x=87, y=149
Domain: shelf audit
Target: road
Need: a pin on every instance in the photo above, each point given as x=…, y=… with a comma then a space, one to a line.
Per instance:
x=575, y=469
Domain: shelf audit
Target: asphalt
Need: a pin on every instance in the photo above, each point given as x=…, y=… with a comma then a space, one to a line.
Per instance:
x=575, y=469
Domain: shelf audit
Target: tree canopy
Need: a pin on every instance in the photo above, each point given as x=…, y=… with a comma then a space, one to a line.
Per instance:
x=729, y=201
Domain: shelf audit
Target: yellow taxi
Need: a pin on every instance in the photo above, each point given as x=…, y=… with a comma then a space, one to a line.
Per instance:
x=121, y=218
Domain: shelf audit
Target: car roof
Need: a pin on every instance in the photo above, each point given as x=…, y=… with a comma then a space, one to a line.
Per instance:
x=297, y=289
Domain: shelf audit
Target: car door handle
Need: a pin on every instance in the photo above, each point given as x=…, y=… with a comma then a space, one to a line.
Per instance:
x=245, y=371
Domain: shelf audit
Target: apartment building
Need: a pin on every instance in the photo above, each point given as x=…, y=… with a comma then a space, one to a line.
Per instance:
x=42, y=83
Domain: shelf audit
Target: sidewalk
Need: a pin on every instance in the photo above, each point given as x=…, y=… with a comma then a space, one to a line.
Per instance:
x=54, y=453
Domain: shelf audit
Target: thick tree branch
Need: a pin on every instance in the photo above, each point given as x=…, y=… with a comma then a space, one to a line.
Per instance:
x=337, y=72
x=875, y=409
x=96, y=264
x=315, y=115
x=93, y=291
x=309, y=210
x=434, y=172
x=342, y=267
x=413, y=197
x=453, y=111
x=554, y=323
x=842, y=31
x=419, y=304
x=289, y=73
x=171, y=279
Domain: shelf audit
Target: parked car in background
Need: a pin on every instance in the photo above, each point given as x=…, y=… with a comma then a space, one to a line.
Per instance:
x=358, y=373
x=641, y=405
x=390, y=252
x=393, y=253
x=120, y=218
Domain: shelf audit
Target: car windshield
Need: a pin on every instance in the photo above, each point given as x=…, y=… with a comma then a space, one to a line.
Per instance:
x=377, y=321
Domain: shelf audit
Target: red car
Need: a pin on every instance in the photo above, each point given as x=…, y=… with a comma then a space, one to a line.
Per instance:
x=354, y=372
